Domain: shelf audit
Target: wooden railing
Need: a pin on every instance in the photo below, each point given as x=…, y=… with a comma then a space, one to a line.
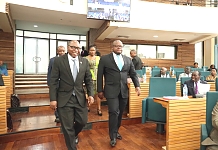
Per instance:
x=3, y=117
x=201, y=3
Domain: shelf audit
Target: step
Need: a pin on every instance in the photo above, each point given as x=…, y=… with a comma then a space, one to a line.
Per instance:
x=31, y=76
x=31, y=79
x=30, y=82
x=30, y=86
x=32, y=90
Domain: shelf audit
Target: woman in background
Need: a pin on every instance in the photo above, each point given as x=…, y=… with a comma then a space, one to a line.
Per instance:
x=93, y=64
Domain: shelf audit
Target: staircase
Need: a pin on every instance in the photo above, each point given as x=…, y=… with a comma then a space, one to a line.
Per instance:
x=31, y=84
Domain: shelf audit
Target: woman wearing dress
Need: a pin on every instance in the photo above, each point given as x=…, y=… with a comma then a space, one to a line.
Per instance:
x=93, y=64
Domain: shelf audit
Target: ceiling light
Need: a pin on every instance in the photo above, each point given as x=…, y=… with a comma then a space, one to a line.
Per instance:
x=155, y=36
x=35, y=26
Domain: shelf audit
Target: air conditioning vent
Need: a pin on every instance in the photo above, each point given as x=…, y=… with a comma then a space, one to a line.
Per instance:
x=123, y=36
x=178, y=40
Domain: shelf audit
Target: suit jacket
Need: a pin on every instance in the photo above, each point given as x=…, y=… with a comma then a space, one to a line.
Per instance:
x=84, y=53
x=61, y=74
x=137, y=62
x=190, y=85
x=115, y=81
x=49, y=70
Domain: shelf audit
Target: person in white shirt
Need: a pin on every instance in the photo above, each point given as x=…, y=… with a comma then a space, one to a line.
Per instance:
x=163, y=73
x=187, y=73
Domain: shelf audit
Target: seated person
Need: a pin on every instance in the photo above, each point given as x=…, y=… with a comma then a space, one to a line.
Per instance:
x=163, y=73
x=194, y=83
x=195, y=65
x=3, y=69
x=212, y=75
x=212, y=141
x=187, y=73
x=211, y=66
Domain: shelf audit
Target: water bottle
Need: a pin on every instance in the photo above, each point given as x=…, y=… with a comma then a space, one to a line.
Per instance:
x=144, y=78
x=185, y=91
x=173, y=73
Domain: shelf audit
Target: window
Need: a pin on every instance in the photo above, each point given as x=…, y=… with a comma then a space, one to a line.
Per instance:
x=36, y=34
x=165, y=52
x=127, y=49
x=67, y=37
x=147, y=51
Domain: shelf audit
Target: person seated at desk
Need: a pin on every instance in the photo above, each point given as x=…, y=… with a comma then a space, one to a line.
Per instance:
x=163, y=73
x=212, y=75
x=3, y=69
x=195, y=65
x=212, y=141
x=187, y=73
x=211, y=67
x=194, y=83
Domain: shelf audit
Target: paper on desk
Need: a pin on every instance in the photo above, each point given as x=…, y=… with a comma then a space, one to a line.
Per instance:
x=174, y=98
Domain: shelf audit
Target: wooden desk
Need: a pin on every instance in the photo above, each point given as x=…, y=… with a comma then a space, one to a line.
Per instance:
x=3, y=118
x=9, y=87
x=135, y=102
x=183, y=120
x=212, y=86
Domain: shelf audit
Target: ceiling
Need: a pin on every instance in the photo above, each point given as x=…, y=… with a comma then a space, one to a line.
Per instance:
x=144, y=34
x=65, y=22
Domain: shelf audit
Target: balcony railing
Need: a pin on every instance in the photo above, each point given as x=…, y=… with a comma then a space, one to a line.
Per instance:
x=201, y=3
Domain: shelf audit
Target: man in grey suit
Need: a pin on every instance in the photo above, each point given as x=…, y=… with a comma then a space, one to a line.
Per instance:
x=115, y=68
x=137, y=62
x=70, y=71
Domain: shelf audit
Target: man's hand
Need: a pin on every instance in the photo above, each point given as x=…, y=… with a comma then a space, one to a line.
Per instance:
x=101, y=95
x=53, y=105
x=137, y=90
x=90, y=100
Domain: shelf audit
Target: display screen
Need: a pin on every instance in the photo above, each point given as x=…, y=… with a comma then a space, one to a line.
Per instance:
x=114, y=10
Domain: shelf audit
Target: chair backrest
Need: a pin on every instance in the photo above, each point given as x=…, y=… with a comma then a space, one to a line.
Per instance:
x=183, y=79
x=179, y=69
x=155, y=72
x=178, y=73
x=139, y=73
x=197, y=69
x=155, y=69
x=159, y=87
x=211, y=100
x=205, y=74
x=143, y=70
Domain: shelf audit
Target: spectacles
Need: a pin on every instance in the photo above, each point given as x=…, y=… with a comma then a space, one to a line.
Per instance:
x=118, y=46
x=74, y=47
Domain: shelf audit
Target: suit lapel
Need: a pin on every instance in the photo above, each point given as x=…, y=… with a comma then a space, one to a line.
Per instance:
x=80, y=65
x=124, y=61
x=112, y=60
x=67, y=65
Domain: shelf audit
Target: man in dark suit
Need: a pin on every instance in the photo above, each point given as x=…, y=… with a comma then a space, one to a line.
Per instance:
x=60, y=52
x=115, y=68
x=70, y=71
x=163, y=73
x=137, y=62
x=194, y=83
x=84, y=52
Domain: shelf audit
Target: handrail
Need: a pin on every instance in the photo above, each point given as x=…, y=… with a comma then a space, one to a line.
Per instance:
x=201, y=3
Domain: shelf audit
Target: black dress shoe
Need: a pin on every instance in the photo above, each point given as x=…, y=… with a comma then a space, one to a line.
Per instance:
x=119, y=136
x=113, y=142
x=76, y=139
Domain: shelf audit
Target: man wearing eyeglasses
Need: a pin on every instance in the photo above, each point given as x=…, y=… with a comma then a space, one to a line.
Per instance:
x=115, y=68
x=69, y=97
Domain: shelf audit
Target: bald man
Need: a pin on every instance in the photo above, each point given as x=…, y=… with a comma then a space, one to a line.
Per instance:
x=163, y=73
x=67, y=94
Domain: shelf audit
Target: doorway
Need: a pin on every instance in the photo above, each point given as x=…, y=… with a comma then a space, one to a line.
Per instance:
x=36, y=54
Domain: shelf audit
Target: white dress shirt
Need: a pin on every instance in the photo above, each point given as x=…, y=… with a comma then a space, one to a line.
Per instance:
x=115, y=58
x=164, y=76
x=184, y=75
x=71, y=63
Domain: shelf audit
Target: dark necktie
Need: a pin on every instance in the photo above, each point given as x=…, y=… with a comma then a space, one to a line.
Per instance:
x=196, y=87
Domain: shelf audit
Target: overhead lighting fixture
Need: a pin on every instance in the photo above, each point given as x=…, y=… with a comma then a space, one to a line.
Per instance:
x=155, y=36
x=35, y=26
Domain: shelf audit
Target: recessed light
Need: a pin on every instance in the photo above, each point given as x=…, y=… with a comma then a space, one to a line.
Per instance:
x=155, y=36
x=35, y=26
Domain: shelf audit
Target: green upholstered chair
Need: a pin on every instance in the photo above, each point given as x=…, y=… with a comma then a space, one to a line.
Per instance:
x=139, y=73
x=178, y=73
x=211, y=100
x=197, y=69
x=155, y=72
x=143, y=70
x=204, y=74
x=152, y=111
x=179, y=69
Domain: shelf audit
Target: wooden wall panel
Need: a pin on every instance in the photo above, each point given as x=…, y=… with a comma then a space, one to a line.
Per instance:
x=7, y=49
x=185, y=53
